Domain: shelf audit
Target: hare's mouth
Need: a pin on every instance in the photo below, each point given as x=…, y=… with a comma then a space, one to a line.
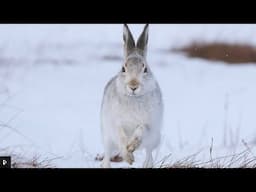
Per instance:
x=132, y=94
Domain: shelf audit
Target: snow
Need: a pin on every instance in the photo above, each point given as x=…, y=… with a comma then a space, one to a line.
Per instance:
x=52, y=79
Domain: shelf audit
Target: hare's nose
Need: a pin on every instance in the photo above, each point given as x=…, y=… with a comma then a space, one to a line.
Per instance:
x=133, y=88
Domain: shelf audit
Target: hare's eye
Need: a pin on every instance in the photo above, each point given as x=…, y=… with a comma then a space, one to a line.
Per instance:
x=145, y=70
x=123, y=69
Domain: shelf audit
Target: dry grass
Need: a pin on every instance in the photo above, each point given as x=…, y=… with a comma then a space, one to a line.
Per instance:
x=240, y=160
x=20, y=161
x=229, y=53
x=243, y=159
x=34, y=162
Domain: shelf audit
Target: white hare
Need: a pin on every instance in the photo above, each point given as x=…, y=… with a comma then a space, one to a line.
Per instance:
x=132, y=107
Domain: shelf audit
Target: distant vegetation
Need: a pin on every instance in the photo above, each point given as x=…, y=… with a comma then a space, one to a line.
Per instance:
x=229, y=53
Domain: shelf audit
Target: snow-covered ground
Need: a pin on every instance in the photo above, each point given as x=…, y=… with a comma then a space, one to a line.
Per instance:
x=52, y=79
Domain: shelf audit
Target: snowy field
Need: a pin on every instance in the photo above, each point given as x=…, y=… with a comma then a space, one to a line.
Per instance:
x=52, y=79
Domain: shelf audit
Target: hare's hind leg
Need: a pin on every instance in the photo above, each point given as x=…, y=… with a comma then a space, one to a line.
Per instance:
x=106, y=161
x=107, y=155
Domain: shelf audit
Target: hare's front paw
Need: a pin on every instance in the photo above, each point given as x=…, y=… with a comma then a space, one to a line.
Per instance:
x=128, y=157
x=134, y=144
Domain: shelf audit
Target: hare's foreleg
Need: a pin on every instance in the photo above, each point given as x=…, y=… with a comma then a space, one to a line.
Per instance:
x=153, y=140
x=136, y=139
x=135, y=142
x=148, y=163
x=123, y=140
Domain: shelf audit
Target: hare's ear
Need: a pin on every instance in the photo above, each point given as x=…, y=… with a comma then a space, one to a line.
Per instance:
x=143, y=41
x=129, y=43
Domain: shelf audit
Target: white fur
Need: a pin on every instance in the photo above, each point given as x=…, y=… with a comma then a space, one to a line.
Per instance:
x=131, y=121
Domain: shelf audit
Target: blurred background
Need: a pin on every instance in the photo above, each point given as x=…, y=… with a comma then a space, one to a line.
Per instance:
x=52, y=79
